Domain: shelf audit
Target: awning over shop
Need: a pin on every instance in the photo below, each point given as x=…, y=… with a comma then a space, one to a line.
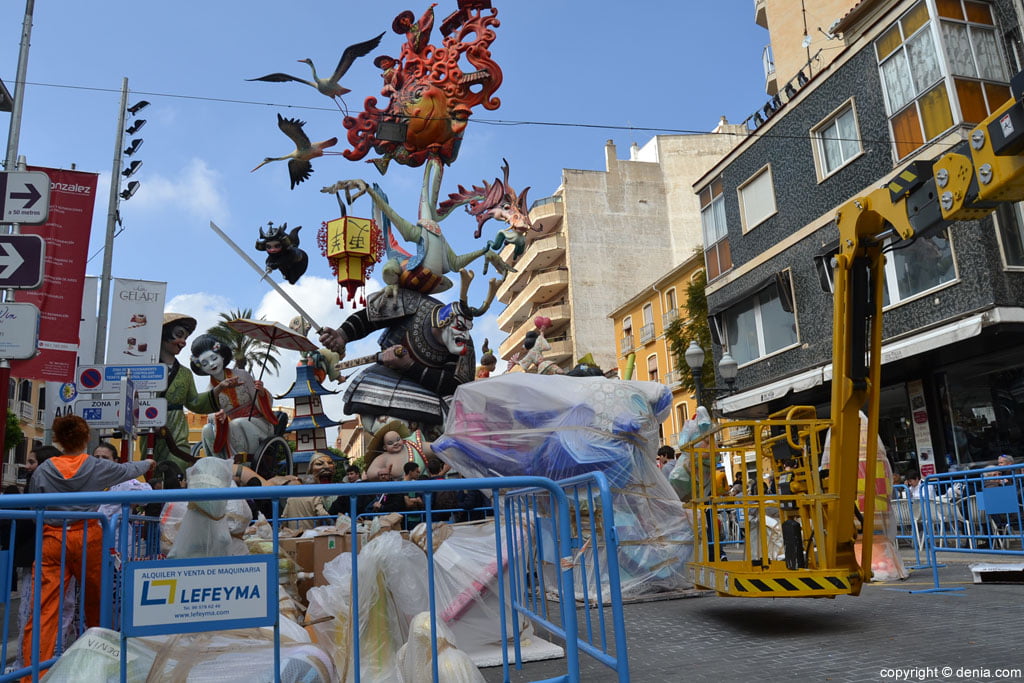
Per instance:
x=932, y=339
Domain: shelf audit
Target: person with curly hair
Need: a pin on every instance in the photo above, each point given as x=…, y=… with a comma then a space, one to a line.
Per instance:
x=72, y=471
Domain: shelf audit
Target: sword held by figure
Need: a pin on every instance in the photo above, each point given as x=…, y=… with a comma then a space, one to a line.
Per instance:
x=263, y=276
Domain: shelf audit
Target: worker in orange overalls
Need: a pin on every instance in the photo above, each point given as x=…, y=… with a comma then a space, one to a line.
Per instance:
x=74, y=470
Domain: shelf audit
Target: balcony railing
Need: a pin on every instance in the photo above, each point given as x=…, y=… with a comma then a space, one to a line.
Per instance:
x=768, y=61
x=26, y=412
x=13, y=472
x=647, y=333
x=669, y=318
x=673, y=377
x=760, y=17
x=556, y=199
x=626, y=344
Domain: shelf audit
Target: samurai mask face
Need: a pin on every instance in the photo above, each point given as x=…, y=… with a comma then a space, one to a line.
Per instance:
x=454, y=329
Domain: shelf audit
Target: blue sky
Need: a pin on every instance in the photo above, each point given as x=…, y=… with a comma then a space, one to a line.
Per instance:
x=650, y=66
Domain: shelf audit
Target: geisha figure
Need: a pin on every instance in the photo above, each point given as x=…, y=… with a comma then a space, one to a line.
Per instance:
x=245, y=417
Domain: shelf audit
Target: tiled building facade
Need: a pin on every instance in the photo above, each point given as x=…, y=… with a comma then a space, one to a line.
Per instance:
x=909, y=80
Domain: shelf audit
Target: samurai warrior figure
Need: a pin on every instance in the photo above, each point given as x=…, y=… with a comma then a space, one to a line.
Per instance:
x=426, y=352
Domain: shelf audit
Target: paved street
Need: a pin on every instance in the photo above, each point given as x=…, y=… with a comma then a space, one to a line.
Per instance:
x=846, y=639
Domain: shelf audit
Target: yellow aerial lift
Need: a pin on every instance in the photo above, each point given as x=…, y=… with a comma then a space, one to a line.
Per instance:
x=817, y=513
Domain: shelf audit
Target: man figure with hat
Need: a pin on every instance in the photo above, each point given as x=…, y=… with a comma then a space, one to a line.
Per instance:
x=181, y=389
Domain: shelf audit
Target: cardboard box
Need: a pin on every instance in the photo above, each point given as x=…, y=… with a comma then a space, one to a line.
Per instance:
x=391, y=522
x=326, y=547
x=299, y=550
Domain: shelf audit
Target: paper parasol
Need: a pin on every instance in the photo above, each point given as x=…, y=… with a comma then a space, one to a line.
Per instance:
x=272, y=333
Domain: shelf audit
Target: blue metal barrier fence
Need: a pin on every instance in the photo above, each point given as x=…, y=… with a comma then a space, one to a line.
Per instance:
x=977, y=511
x=538, y=525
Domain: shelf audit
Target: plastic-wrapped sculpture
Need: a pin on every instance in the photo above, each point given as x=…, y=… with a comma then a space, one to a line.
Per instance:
x=207, y=527
x=559, y=427
x=886, y=562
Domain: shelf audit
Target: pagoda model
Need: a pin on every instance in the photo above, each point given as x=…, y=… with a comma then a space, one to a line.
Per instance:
x=309, y=422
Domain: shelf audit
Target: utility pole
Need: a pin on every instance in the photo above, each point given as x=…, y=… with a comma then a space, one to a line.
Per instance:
x=13, y=138
x=14, y=132
x=108, y=248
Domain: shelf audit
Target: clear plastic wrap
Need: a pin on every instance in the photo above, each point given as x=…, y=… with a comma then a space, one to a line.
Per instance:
x=414, y=658
x=205, y=530
x=466, y=583
x=333, y=634
x=558, y=427
x=392, y=590
x=244, y=655
x=170, y=521
x=886, y=561
x=96, y=657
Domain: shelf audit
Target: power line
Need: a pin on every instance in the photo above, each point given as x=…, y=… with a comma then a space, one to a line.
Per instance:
x=489, y=122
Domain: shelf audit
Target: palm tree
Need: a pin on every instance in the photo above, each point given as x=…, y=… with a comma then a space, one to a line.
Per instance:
x=246, y=351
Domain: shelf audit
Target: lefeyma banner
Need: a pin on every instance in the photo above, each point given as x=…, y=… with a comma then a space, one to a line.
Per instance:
x=72, y=197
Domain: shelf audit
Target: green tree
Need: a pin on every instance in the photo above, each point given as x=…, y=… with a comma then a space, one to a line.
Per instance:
x=246, y=351
x=694, y=327
x=13, y=437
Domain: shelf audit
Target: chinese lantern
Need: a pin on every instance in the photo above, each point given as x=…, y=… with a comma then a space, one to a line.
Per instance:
x=352, y=247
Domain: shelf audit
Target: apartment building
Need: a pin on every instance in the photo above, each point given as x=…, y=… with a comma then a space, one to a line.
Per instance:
x=640, y=324
x=903, y=81
x=602, y=235
x=26, y=398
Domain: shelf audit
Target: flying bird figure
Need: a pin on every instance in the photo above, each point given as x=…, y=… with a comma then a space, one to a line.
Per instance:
x=328, y=86
x=299, y=168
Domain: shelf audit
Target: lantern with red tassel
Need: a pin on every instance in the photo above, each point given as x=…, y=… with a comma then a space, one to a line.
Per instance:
x=352, y=247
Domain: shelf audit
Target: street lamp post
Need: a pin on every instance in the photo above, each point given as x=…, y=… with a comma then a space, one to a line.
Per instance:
x=113, y=212
x=695, y=359
x=727, y=368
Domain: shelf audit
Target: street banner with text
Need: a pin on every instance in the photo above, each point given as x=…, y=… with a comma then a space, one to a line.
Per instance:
x=66, y=233
x=61, y=396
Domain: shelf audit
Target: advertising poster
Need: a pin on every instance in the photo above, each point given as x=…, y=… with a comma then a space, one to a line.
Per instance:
x=59, y=300
x=922, y=434
x=201, y=594
x=136, y=319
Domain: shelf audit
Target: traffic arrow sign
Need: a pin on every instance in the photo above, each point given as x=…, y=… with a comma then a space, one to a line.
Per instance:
x=24, y=197
x=22, y=260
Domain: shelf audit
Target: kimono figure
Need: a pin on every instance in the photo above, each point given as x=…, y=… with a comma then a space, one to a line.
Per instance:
x=181, y=389
x=245, y=417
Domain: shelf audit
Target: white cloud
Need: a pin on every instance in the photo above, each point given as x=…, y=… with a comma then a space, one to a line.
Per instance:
x=195, y=189
x=205, y=308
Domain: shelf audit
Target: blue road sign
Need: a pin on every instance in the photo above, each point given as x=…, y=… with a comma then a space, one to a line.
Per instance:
x=104, y=379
